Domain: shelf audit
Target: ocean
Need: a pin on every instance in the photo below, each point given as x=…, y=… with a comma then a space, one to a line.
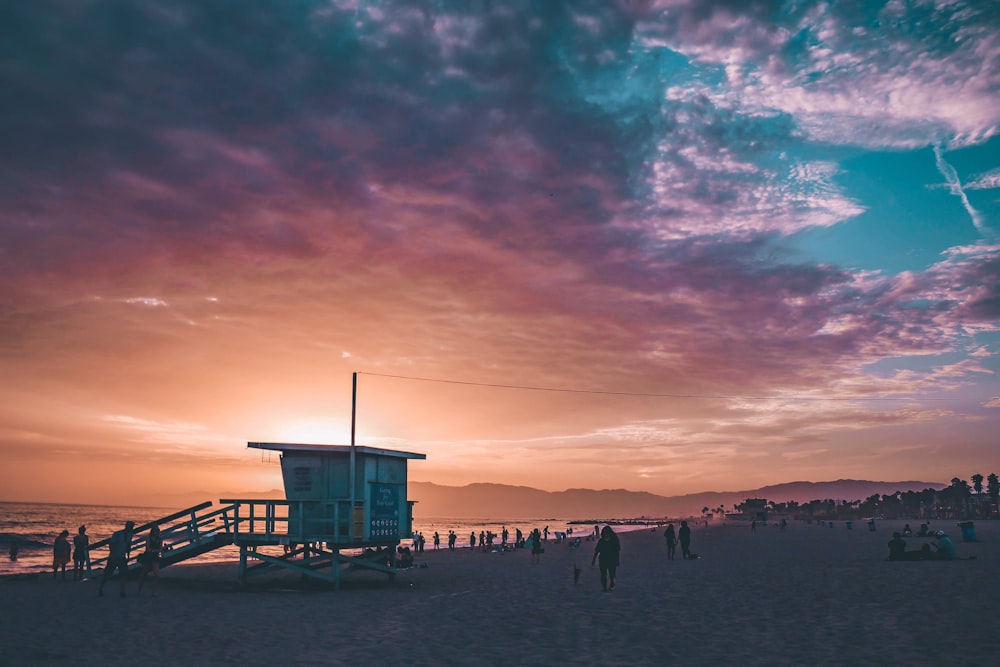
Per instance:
x=35, y=526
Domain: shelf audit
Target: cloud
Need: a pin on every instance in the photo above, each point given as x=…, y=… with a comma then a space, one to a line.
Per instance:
x=880, y=76
x=146, y=301
x=992, y=403
x=985, y=181
x=951, y=177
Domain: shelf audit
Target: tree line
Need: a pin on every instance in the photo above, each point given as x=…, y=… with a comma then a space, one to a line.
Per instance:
x=958, y=500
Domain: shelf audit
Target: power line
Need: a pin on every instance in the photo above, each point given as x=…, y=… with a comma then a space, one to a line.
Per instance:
x=640, y=394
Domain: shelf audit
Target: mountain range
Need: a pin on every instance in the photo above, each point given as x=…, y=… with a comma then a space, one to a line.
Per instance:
x=515, y=502
x=502, y=501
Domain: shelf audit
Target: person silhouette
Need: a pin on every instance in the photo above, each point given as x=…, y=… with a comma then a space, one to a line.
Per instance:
x=685, y=537
x=536, y=545
x=897, y=547
x=81, y=553
x=671, y=537
x=608, y=554
x=119, y=547
x=61, y=554
x=945, y=547
x=150, y=558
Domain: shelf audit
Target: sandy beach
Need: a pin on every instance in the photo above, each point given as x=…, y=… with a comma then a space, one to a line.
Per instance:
x=805, y=595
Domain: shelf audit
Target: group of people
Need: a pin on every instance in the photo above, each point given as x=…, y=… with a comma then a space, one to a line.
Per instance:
x=62, y=552
x=942, y=549
x=487, y=539
x=683, y=536
x=119, y=552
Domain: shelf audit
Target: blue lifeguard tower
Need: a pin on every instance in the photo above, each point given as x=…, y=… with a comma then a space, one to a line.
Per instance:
x=344, y=506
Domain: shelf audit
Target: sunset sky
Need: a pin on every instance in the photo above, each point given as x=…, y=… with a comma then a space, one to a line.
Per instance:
x=663, y=246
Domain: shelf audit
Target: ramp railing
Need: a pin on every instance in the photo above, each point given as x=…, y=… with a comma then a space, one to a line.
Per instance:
x=186, y=533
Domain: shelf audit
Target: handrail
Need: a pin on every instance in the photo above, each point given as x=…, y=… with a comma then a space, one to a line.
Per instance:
x=166, y=519
x=190, y=529
x=331, y=524
x=246, y=520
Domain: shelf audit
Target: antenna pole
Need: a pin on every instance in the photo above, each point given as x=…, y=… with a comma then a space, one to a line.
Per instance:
x=354, y=410
x=354, y=403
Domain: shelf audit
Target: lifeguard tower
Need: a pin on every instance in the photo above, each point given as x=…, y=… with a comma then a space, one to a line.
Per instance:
x=345, y=508
x=338, y=498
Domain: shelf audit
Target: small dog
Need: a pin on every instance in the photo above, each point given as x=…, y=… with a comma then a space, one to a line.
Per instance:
x=576, y=574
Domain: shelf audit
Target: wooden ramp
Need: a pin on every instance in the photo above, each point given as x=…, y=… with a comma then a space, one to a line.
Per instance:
x=312, y=550
x=188, y=533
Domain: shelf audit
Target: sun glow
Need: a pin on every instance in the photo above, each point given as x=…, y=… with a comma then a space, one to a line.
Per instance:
x=317, y=431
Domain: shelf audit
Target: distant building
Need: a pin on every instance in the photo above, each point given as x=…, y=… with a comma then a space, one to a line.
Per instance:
x=754, y=509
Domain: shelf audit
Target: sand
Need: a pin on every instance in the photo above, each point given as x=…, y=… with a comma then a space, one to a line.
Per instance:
x=806, y=595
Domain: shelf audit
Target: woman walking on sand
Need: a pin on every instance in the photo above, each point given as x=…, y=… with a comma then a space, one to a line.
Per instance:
x=608, y=553
x=671, y=538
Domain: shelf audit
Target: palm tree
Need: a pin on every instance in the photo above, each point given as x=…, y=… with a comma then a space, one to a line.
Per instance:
x=958, y=496
x=977, y=485
x=977, y=482
x=993, y=488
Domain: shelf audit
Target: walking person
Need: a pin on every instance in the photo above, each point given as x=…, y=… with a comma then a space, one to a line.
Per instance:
x=671, y=538
x=118, y=550
x=608, y=554
x=536, y=546
x=685, y=537
x=150, y=558
x=81, y=554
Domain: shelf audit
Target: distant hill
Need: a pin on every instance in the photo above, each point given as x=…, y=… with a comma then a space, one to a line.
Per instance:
x=502, y=501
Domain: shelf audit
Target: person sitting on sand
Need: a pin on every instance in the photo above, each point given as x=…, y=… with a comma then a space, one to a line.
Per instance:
x=945, y=547
x=897, y=550
x=907, y=531
x=923, y=532
x=897, y=547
